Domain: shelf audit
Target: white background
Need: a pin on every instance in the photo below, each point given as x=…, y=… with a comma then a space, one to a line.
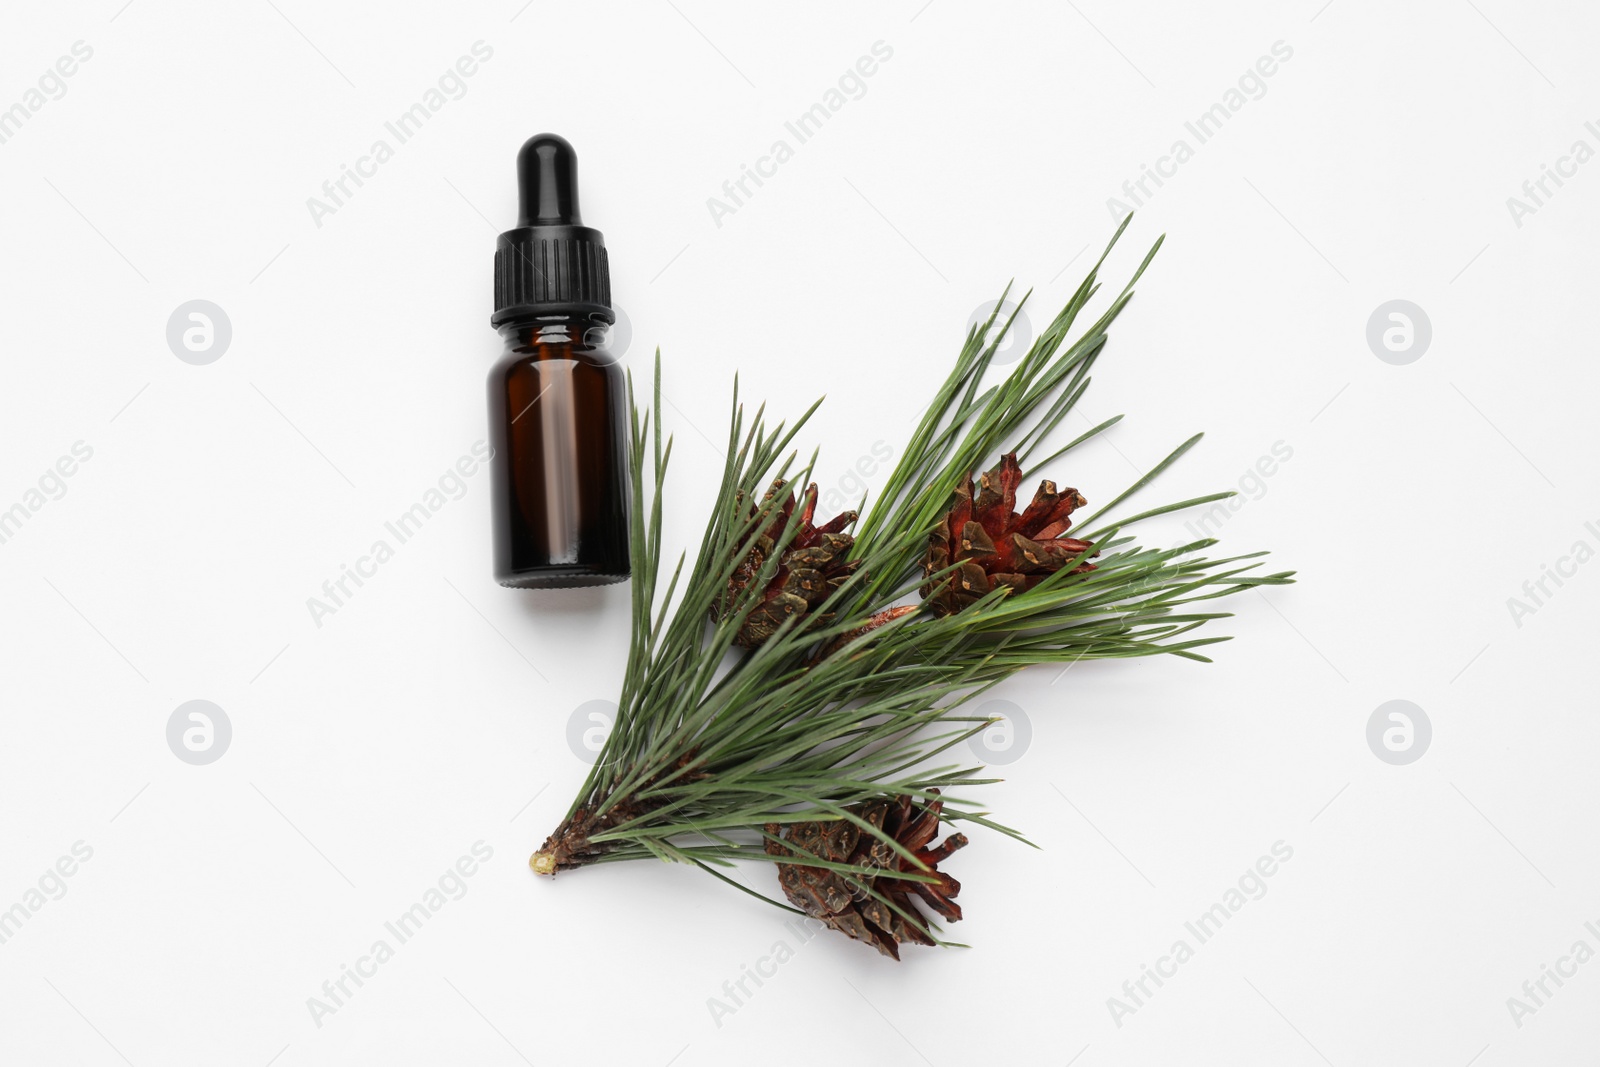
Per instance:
x=371, y=752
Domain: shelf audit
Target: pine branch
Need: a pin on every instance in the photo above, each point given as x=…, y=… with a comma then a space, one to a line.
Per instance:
x=717, y=748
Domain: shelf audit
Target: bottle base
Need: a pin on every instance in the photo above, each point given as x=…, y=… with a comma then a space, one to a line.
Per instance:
x=559, y=578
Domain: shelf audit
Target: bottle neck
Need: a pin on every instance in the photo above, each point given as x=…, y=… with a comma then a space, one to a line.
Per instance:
x=587, y=332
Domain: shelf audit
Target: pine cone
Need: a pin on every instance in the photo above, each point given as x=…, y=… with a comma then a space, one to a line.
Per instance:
x=996, y=547
x=812, y=566
x=846, y=902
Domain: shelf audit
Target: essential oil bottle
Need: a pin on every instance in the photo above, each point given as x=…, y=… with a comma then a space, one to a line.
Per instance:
x=557, y=397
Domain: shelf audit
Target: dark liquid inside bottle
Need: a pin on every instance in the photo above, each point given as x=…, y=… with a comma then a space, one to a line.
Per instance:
x=557, y=419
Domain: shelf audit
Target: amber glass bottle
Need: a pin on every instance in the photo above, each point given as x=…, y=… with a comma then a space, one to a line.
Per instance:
x=557, y=397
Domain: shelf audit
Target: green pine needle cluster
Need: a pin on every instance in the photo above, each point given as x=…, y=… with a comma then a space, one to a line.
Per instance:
x=712, y=743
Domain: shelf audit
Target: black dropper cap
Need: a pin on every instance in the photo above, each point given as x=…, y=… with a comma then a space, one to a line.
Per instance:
x=551, y=264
